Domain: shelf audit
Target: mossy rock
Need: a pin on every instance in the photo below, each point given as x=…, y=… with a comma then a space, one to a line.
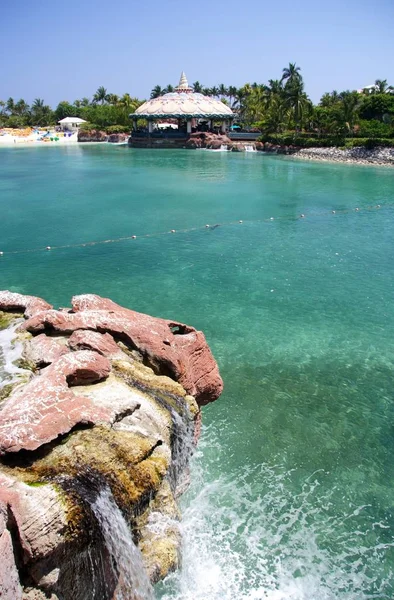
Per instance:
x=6, y=318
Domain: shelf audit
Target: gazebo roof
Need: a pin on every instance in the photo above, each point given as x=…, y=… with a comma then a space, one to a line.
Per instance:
x=183, y=103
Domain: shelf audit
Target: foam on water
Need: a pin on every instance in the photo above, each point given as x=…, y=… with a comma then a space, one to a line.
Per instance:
x=253, y=537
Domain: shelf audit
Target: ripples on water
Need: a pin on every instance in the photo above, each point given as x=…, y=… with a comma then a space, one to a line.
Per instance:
x=255, y=536
x=292, y=495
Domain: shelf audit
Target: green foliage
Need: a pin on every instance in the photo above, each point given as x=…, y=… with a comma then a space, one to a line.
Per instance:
x=374, y=129
x=118, y=129
x=369, y=142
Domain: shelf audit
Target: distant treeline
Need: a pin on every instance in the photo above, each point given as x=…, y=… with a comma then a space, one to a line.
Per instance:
x=279, y=109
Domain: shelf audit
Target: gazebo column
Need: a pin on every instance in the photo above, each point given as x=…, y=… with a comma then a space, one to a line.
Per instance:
x=189, y=126
x=224, y=126
x=150, y=126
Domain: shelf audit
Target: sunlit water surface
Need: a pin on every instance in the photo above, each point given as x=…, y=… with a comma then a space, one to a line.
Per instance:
x=292, y=494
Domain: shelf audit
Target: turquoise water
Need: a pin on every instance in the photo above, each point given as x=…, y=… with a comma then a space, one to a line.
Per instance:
x=292, y=495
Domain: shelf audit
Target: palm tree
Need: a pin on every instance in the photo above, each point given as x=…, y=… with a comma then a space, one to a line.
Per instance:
x=382, y=87
x=197, y=87
x=297, y=101
x=156, y=92
x=112, y=99
x=100, y=95
x=169, y=89
x=223, y=90
x=214, y=91
x=21, y=108
x=349, y=108
x=10, y=105
x=232, y=92
x=291, y=74
x=85, y=101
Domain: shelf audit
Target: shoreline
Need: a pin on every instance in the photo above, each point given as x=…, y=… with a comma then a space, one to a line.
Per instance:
x=378, y=157
x=381, y=156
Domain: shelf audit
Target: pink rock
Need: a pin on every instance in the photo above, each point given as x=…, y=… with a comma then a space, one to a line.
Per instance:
x=43, y=350
x=45, y=407
x=79, y=368
x=103, y=343
x=29, y=305
x=10, y=588
x=169, y=347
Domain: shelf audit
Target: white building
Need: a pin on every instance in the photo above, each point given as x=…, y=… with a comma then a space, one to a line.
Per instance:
x=71, y=123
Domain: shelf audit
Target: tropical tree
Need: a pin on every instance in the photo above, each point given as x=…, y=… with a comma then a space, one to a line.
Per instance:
x=156, y=92
x=222, y=90
x=291, y=74
x=100, y=95
x=41, y=113
x=350, y=104
x=10, y=105
x=112, y=98
x=197, y=87
x=382, y=87
x=296, y=101
x=169, y=89
x=21, y=108
x=232, y=92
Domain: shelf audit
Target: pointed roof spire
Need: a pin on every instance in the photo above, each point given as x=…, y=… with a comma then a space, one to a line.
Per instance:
x=183, y=85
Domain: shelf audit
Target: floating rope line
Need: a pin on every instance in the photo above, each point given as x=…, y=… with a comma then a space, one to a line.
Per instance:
x=191, y=229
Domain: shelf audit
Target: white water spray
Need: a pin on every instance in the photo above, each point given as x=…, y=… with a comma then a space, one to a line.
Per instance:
x=10, y=351
x=254, y=538
x=133, y=582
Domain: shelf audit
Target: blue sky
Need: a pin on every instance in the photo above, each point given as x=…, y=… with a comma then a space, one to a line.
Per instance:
x=65, y=50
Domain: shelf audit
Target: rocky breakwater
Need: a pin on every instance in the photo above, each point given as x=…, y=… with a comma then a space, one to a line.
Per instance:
x=357, y=155
x=96, y=429
x=96, y=135
x=217, y=141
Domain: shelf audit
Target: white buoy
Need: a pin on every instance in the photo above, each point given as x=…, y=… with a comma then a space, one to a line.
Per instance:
x=333, y=212
x=272, y=218
x=240, y=221
x=133, y=237
x=172, y=230
x=48, y=247
x=207, y=225
x=378, y=206
x=302, y=216
x=357, y=209
x=1, y=253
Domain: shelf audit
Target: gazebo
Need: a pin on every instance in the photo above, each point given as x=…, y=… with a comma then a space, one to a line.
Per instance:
x=186, y=108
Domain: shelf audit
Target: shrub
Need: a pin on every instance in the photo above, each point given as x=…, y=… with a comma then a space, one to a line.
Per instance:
x=88, y=126
x=369, y=142
x=374, y=129
x=118, y=129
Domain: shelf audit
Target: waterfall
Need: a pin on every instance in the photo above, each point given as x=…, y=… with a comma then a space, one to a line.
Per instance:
x=10, y=351
x=133, y=582
x=250, y=148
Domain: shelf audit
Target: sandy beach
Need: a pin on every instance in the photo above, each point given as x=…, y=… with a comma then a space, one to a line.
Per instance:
x=30, y=136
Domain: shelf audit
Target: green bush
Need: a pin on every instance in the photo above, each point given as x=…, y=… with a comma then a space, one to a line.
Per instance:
x=118, y=129
x=304, y=140
x=369, y=142
x=88, y=126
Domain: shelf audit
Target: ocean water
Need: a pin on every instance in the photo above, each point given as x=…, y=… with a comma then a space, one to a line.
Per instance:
x=292, y=495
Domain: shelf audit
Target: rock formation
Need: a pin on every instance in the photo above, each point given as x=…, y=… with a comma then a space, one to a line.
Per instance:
x=95, y=437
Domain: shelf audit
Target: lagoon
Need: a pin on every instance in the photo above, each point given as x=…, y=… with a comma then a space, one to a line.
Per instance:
x=292, y=490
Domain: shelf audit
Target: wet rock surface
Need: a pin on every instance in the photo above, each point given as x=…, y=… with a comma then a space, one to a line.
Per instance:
x=97, y=417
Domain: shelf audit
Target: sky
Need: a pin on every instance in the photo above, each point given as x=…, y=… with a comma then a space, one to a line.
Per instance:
x=65, y=50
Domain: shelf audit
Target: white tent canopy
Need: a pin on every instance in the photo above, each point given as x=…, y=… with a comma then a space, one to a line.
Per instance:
x=70, y=120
